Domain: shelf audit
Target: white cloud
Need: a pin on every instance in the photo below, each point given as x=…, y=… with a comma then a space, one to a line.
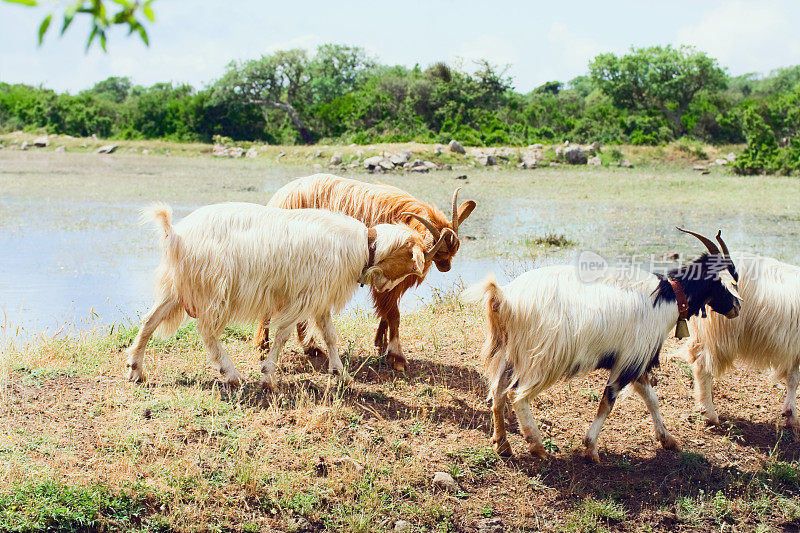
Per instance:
x=747, y=36
x=569, y=52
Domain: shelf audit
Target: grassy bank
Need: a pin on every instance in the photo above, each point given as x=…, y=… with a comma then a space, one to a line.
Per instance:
x=678, y=153
x=83, y=449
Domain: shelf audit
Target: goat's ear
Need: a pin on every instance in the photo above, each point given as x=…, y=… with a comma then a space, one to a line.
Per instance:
x=465, y=210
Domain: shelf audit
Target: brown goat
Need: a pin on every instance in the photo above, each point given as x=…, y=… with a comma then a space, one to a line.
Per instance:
x=376, y=204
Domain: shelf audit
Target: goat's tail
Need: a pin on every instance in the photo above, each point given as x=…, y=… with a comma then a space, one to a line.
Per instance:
x=166, y=275
x=161, y=215
x=489, y=293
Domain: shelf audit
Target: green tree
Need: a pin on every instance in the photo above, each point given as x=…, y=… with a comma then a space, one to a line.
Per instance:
x=661, y=78
x=278, y=81
x=129, y=13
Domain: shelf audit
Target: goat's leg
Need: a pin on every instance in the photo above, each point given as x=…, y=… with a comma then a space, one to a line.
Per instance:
x=528, y=427
x=644, y=388
x=703, y=388
x=282, y=334
x=499, y=438
x=394, y=351
x=606, y=404
x=328, y=330
x=161, y=310
x=261, y=337
x=217, y=354
x=789, y=404
x=380, y=335
x=306, y=340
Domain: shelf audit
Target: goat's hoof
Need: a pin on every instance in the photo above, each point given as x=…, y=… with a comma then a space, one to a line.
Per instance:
x=315, y=352
x=234, y=379
x=670, y=443
x=537, y=450
x=396, y=361
x=136, y=375
x=592, y=455
x=269, y=383
x=502, y=448
x=711, y=420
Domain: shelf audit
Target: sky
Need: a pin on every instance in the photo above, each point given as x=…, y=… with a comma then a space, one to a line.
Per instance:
x=192, y=40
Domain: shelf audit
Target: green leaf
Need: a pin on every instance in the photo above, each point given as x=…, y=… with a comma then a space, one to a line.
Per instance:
x=103, y=41
x=148, y=12
x=92, y=35
x=143, y=35
x=23, y=2
x=67, y=21
x=43, y=27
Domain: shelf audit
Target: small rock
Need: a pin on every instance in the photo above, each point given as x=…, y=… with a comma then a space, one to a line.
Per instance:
x=626, y=163
x=537, y=146
x=461, y=177
x=318, y=154
x=595, y=146
x=444, y=481
x=107, y=149
x=487, y=160
x=251, y=152
x=336, y=159
x=61, y=149
x=721, y=161
x=359, y=154
x=456, y=147
x=280, y=155
x=372, y=162
x=24, y=145
x=594, y=161
x=400, y=158
x=41, y=142
x=437, y=150
x=731, y=157
x=575, y=155
x=235, y=152
x=145, y=151
x=490, y=525
x=147, y=414
x=401, y=525
x=529, y=160
x=298, y=524
x=386, y=164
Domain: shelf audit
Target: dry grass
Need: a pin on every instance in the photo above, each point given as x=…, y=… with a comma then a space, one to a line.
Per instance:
x=82, y=446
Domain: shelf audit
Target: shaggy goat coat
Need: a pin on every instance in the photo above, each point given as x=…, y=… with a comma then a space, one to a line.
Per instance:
x=767, y=332
x=766, y=335
x=230, y=262
x=235, y=261
x=554, y=326
x=375, y=204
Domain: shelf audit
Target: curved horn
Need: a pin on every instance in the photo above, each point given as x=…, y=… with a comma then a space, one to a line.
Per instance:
x=430, y=253
x=455, y=211
x=712, y=248
x=427, y=223
x=722, y=245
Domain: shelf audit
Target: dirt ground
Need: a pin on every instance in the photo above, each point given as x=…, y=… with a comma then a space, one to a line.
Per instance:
x=318, y=456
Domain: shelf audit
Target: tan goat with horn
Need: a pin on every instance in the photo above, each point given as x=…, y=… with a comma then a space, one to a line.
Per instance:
x=376, y=204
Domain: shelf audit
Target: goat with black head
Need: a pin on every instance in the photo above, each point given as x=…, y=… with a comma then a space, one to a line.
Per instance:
x=552, y=324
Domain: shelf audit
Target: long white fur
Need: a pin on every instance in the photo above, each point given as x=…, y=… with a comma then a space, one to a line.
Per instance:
x=232, y=261
x=766, y=334
x=558, y=326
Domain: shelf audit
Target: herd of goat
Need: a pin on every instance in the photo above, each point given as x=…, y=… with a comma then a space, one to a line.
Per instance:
x=301, y=257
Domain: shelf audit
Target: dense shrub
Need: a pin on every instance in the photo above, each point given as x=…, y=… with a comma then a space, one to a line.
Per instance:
x=648, y=96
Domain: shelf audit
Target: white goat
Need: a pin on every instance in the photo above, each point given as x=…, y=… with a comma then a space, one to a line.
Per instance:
x=767, y=334
x=235, y=261
x=549, y=325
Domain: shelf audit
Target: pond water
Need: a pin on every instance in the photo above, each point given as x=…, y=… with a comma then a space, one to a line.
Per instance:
x=73, y=256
